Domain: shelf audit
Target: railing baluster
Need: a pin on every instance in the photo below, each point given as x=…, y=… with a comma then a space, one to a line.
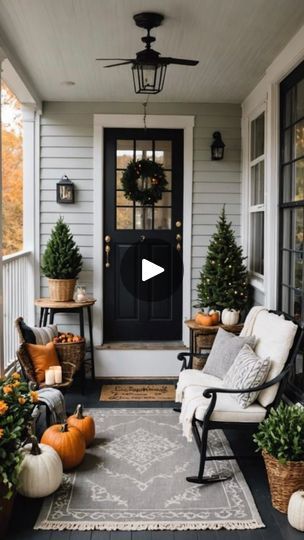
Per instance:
x=15, y=299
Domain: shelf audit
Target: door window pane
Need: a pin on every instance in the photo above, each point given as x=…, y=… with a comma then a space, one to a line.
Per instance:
x=162, y=218
x=124, y=218
x=163, y=153
x=257, y=242
x=121, y=200
x=165, y=200
x=144, y=150
x=257, y=184
x=124, y=153
x=257, y=137
x=143, y=217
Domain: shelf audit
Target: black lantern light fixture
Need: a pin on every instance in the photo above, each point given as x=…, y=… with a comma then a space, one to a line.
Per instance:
x=217, y=146
x=149, y=67
x=65, y=190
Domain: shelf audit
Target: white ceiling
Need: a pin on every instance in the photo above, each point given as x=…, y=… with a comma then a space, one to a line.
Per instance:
x=234, y=40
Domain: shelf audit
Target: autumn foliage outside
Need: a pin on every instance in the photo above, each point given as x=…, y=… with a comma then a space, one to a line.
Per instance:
x=12, y=172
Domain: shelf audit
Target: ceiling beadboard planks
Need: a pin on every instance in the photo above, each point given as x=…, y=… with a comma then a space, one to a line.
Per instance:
x=67, y=148
x=234, y=40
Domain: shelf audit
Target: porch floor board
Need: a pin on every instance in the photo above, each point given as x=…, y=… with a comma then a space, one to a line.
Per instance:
x=277, y=528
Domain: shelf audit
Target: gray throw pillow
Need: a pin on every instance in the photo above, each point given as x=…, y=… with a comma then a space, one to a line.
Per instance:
x=224, y=351
x=247, y=371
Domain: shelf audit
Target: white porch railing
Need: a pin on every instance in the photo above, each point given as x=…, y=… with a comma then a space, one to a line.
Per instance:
x=16, y=299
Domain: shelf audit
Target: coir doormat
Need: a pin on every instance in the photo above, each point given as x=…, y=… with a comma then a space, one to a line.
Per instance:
x=137, y=392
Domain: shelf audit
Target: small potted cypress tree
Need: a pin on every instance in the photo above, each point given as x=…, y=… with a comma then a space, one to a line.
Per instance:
x=61, y=263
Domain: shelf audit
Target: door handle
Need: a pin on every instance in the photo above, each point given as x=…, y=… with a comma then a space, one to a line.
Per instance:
x=142, y=238
x=178, y=242
x=107, y=250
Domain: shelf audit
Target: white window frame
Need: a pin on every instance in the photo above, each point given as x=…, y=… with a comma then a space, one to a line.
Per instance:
x=253, y=209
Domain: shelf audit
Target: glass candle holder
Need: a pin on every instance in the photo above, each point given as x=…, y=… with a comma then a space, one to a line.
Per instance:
x=81, y=295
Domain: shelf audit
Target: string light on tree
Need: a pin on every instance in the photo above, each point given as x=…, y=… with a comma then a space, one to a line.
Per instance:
x=223, y=285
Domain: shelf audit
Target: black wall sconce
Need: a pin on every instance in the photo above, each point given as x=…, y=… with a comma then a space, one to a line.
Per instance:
x=217, y=147
x=65, y=191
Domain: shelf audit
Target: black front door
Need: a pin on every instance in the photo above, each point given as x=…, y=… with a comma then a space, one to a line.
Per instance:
x=136, y=310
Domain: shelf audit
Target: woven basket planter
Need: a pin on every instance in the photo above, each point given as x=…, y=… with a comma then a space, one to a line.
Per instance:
x=198, y=363
x=283, y=480
x=71, y=353
x=61, y=290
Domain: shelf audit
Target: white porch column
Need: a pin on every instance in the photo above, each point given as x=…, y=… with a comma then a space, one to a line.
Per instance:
x=2, y=57
x=29, y=202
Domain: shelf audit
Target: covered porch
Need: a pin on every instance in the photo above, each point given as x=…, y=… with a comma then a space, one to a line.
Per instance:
x=84, y=122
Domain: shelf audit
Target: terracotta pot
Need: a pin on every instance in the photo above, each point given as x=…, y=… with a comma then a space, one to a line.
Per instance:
x=6, y=507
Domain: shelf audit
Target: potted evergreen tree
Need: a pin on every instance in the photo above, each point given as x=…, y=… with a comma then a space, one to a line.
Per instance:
x=61, y=263
x=224, y=279
x=281, y=439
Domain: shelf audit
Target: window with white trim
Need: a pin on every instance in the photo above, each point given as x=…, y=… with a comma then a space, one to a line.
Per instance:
x=256, y=195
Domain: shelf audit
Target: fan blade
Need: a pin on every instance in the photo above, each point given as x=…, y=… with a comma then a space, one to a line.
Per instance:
x=108, y=59
x=180, y=61
x=121, y=64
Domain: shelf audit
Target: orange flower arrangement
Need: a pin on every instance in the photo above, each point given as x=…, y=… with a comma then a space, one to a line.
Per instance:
x=34, y=396
x=3, y=407
x=16, y=405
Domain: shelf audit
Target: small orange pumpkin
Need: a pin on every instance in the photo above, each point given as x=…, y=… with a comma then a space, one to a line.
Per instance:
x=204, y=319
x=68, y=442
x=85, y=424
x=215, y=315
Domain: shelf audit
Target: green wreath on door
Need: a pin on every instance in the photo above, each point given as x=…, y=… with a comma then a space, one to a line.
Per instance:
x=144, y=181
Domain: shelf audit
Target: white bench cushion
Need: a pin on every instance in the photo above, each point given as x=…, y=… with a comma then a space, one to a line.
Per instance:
x=274, y=339
x=226, y=409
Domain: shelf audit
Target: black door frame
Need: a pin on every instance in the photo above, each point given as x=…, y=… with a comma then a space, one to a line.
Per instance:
x=101, y=122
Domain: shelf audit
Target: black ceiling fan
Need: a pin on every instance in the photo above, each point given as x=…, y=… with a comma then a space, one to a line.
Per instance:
x=149, y=67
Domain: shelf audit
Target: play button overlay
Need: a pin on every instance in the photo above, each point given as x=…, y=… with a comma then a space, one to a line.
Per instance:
x=149, y=270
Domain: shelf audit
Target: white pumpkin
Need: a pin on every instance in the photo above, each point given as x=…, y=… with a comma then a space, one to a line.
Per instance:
x=295, y=511
x=41, y=470
x=230, y=316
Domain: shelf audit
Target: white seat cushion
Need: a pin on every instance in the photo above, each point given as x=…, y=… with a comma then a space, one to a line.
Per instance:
x=274, y=339
x=190, y=377
x=226, y=409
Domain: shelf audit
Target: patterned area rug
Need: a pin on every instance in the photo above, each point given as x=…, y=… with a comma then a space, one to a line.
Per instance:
x=137, y=392
x=133, y=478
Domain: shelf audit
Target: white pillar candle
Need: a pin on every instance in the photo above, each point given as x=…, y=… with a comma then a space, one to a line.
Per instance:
x=50, y=377
x=58, y=374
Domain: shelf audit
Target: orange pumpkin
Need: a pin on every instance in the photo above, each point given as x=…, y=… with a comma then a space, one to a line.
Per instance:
x=68, y=442
x=215, y=315
x=204, y=319
x=85, y=424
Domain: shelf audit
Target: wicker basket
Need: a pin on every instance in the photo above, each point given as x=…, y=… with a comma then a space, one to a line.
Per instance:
x=61, y=290
x=73, y=353
x=283, y=480
x=198, y=363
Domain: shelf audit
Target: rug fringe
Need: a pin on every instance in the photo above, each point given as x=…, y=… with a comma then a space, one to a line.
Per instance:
x=153, y=526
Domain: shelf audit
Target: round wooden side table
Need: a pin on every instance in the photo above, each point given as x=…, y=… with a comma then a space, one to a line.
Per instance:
x=49, y=308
